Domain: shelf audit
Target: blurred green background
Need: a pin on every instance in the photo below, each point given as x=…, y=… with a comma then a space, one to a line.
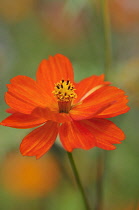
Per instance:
x=31, y=30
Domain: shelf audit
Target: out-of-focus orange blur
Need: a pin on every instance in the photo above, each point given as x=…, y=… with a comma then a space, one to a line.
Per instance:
x=124, y=14
x=15, y=10
x=62, y=24
x=23, y=176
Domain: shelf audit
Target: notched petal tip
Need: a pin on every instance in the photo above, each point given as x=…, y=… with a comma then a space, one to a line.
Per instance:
x=40, y=140
x=106, y=133
x=104, y=146
x=24, y=94
x=52, y=71
x=75, y=135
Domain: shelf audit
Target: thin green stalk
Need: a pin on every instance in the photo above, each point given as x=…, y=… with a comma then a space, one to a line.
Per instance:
x=107, y=36
x=78, y=181
x=99, y=181
x=102, y=156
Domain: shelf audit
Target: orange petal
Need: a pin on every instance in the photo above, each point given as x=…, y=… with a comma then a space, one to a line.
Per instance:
x=47, y=114
x=109, y=101
x=112, y=94
x=11, y=111
x=106, y=133
x=87, y=111
x=53, y=70
x=18, y=120
x=114, y=110
x=40, y=140
x=75, y=135
x=37, y=117
x=18, y=104
x=88, y=84
x=24, y=95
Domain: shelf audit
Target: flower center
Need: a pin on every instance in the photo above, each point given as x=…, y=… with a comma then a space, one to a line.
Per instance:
x=64, y=92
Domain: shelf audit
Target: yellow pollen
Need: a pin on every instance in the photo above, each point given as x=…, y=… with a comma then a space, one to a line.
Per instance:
x=64, y=92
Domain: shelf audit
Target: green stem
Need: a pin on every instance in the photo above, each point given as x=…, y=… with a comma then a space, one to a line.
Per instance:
x=76, y=174
x=99, y=182
x=107, y=36
x=102, y=156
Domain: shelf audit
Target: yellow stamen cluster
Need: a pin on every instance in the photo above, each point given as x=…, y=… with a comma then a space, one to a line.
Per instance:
x=64, y=91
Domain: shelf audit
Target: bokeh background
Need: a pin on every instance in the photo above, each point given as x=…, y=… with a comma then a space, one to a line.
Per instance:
x=31, y=30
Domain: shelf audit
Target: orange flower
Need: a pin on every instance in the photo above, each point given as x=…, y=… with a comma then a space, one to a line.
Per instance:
x=75, y=111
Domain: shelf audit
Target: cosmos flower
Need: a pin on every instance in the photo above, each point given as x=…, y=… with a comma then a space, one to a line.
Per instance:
x=59, y=106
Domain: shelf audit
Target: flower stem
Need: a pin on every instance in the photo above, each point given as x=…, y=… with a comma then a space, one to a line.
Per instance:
x=100, y=177
x=107, y=36
x=78, y=181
